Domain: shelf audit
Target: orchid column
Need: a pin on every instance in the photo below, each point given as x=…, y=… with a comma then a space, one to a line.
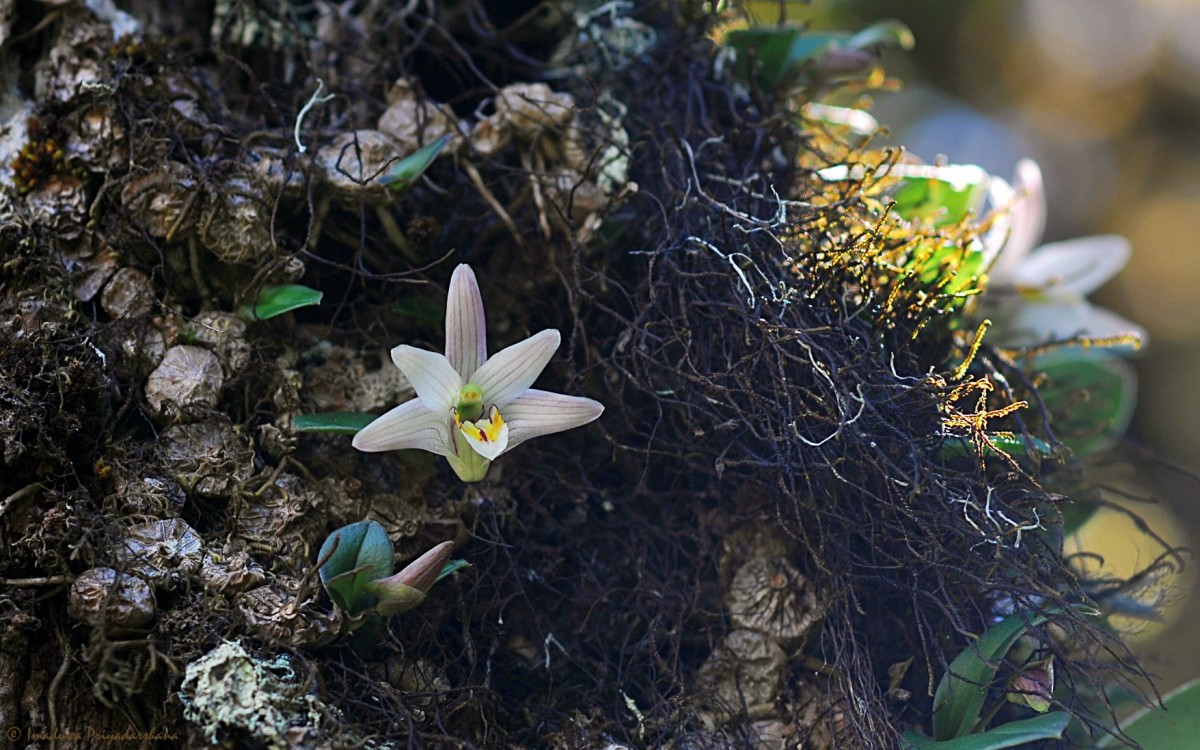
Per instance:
x=469, y=408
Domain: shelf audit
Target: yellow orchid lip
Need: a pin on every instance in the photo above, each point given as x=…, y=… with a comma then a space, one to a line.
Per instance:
x=488, y=437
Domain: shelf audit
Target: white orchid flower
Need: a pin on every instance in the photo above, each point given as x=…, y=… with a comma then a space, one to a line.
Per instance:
x=1040, y=294
x=471, y=408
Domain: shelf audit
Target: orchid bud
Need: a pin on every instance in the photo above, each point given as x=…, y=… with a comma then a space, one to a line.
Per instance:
x=407, y=170
x=842, y=62
x=407, y=589
x=1033, y=685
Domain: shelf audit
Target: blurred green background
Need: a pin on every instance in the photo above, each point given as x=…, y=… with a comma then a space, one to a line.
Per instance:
x=1105, y=95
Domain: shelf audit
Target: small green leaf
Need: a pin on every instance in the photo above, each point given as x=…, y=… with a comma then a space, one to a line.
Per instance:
x=339, y=422
x=1013, y=734
x=273, y=300
x=354, y=556
x=1177, y=727
x=948, y=267
x=1090, y=395
x=777, y=53
x=452, y=566
x=407, y=170
x=1014, y=445
x=393, y=598
x=961, y=692
x=778, y=58
x=941, y=195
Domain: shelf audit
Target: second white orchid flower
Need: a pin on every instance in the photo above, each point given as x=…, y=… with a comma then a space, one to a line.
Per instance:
x=471, y=408
x=1040, y=294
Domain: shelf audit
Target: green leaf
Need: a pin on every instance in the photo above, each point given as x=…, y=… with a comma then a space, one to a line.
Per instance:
x=941, y=195
x=407, y=170
x=392, y=598
x=1013, y=734
x=960, y=694
x=339, y=422
x=1075, y=514
x=275, y=300
x=452, y=566
x=777, y=53
x=354, y=556
x=1014, y=445
x=1177, y=727
x=948, y=267
x=1090, y=395
x=777, y=57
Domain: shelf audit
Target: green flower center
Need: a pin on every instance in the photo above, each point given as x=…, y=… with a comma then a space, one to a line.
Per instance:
x=470, y=403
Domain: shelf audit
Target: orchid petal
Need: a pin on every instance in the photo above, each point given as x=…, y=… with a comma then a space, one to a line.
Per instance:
x=1000, y=197
x=466, y=334
x=535, y=413
x=431, y=375
x=409, y=425
x=1029, y=323
x=1027, y=221
x=1073, y=267
x=511, y=371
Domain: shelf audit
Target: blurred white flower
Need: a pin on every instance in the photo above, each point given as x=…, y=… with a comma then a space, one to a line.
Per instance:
x=471, y=408
x=1037, y=295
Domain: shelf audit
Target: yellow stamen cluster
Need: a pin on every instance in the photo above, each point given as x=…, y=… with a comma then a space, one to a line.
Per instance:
x=482, y=430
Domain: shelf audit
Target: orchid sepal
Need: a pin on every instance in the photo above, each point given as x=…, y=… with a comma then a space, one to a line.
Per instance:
x=535, y=413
